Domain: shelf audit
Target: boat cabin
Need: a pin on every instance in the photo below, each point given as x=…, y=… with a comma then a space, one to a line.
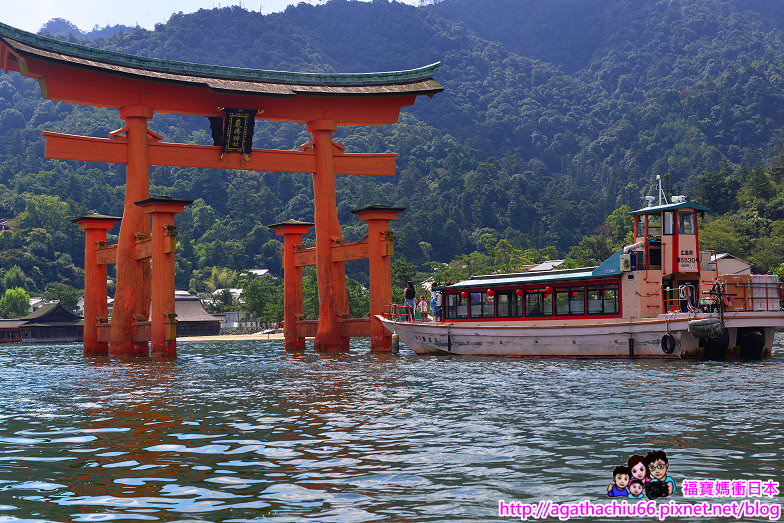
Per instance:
x=667, y=242
x=574, y=293
x=662, y=271
x=666, y=238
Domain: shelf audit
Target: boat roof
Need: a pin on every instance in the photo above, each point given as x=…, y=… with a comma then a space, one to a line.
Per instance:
x=669, y=207
x=610, y=267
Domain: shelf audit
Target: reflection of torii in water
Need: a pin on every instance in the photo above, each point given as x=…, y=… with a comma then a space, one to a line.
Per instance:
x=139, y=87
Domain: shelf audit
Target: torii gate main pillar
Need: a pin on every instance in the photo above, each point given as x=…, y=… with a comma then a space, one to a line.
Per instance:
x=133, y=295
x=331, y=275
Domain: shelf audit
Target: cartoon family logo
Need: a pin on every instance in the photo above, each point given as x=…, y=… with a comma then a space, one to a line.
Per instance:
x=643, y=476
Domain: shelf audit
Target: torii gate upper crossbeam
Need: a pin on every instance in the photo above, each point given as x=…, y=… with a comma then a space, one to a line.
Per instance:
x=114, y=150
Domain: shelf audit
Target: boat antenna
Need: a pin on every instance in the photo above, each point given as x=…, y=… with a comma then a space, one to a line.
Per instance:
x=662, y=197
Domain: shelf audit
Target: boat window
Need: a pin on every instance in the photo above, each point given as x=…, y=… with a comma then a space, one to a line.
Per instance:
x=570, y=301
x=669, y=223
x=686, y=223
x=595, y=300
x=603, y=299
x=611, y=299
x=509, y=304
x=456, y=306
x=482, y=305
x=577, y=301
x=538, y=303
x=654, y=225
x=639, y=226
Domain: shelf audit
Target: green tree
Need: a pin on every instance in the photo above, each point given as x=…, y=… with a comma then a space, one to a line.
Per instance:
x=262, y=298
x=15, y=277
x=222, y=301
x=210, y=279
x=310, y=293
x=358, y=299
x=67, y=296
x=15, y=303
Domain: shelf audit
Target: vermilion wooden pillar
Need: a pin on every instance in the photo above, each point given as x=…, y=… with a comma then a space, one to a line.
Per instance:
x=95, y=227
x=333, y=298
x=163, y=328
x=293, y=304
x=132, y=297
x=380, y=250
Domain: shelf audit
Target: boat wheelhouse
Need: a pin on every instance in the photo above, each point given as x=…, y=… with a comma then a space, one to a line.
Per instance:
x=661, y=297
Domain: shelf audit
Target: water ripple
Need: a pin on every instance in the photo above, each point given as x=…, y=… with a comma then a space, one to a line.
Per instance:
x=245, y=432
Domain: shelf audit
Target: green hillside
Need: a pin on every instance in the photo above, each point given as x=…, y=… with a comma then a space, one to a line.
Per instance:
x=554, y=114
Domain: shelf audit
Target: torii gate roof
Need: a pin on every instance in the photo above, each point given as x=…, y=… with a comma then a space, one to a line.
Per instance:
x=139, y=80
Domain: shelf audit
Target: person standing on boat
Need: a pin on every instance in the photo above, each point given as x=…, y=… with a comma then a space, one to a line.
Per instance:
x=422, y=307
x=409, y=295
x=435, y=304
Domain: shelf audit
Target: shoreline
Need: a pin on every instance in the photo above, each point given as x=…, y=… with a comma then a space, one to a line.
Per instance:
x=234, y=337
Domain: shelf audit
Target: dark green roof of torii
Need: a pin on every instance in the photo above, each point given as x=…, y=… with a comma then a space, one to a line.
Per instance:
x=89, y=56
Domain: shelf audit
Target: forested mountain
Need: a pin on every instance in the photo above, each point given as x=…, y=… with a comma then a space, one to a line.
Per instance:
x=554, y=114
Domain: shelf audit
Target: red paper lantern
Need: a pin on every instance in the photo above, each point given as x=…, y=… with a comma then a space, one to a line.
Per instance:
x=519, y=292
x=490, y=292
x=464, y=294
x=575, y=294
x=548, y=290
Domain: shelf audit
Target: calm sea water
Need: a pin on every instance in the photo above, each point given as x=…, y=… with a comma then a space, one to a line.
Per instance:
x=241, y=431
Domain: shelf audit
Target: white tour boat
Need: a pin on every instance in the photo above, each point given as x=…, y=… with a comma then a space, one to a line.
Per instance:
x=661, y=297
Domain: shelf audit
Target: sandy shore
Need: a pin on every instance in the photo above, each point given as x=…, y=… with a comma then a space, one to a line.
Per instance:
x=235, y=337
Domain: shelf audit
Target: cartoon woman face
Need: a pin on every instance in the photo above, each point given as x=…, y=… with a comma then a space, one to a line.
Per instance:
x=639, y=471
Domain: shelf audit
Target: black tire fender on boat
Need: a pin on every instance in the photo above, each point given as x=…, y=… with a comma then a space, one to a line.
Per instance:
x=668, y=343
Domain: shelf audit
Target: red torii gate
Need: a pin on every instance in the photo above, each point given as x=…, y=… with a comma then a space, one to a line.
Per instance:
x=139, y=87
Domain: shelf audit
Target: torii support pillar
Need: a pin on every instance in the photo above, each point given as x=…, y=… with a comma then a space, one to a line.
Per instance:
x=293, y=304
x=380, y=250
x=96, y=309
x=163, y=318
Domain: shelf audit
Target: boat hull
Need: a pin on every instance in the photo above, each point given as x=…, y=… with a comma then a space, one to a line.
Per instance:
x=749, y=335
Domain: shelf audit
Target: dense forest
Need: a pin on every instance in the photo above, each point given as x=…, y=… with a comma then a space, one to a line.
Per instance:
x=556, y=117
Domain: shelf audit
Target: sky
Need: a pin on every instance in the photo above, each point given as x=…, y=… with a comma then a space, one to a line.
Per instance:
x=86, y=14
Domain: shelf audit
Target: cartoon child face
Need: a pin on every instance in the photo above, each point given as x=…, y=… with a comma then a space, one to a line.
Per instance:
x=621, y=480
x=635, y=489
x=658, y=469
x=638, y=471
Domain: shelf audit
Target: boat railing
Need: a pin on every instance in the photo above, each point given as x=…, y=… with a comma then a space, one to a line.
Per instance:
x=761, y=293
x=680, y=299
x=395, y=312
